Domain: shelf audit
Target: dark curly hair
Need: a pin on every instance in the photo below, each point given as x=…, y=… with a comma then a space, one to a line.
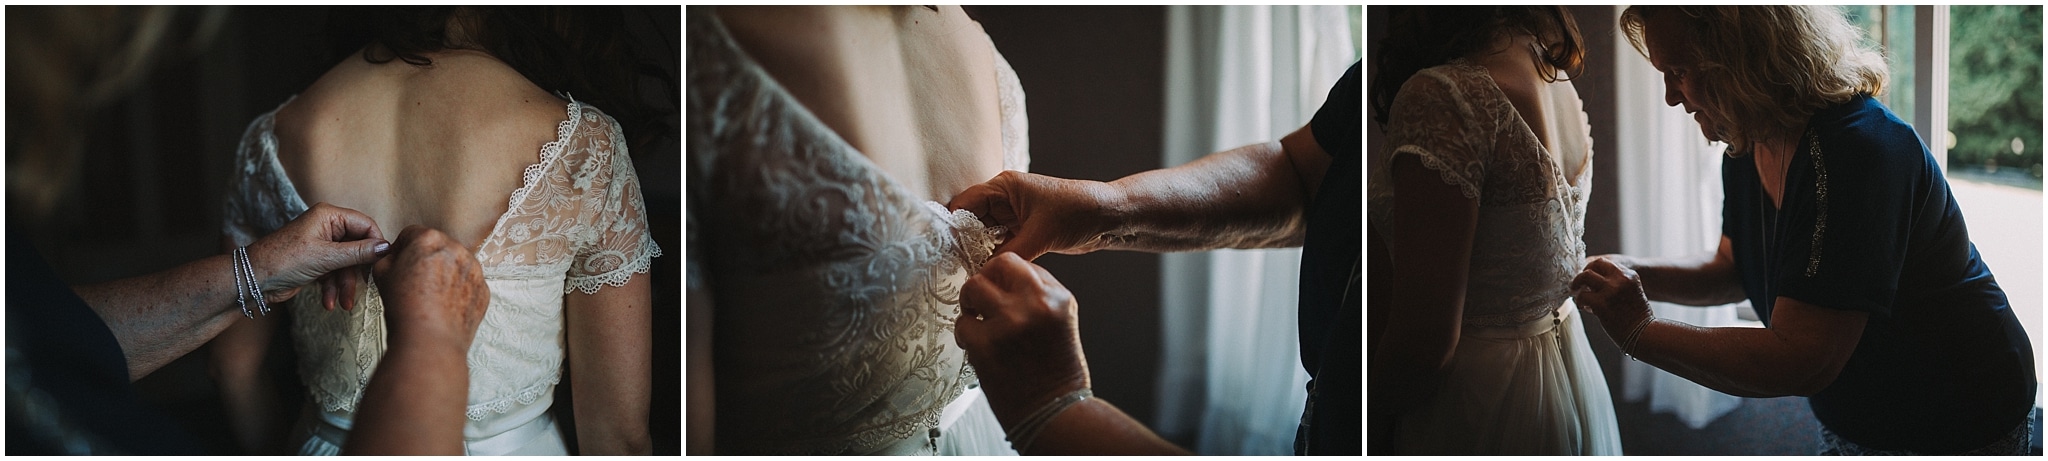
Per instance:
x=1429, y=36
x=582, y=51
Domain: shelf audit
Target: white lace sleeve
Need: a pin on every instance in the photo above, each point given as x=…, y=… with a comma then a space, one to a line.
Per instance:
x=1016, y=125
x=1432, y=119
x=260, y=198
x=613, y=243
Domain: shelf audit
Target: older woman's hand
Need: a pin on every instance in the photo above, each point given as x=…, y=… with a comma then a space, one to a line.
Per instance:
x=1612, y=292
x=1021, y=330
x=317, y=245
x=1043, y=214
x=433, y=288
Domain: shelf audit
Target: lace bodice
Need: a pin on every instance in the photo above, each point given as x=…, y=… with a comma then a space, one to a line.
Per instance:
x=1528, y=244
x=834, y=287
x=576, y=224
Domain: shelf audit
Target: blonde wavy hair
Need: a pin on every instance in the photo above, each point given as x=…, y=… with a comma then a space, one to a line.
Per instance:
x=1767, y=69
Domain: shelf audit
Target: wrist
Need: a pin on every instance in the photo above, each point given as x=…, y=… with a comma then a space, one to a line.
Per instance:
x=1630, y=339
x=1619, y=325
x=412, y=336
x=263, y=263
x=1011, y=406
x=1114, y=207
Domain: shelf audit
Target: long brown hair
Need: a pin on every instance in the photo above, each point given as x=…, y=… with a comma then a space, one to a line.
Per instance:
x=1427, y=36
x=1769, y=68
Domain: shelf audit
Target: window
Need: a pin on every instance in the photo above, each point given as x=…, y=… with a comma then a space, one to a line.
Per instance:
x=1992, y=136
x=1994, y=144
x=1885, y=28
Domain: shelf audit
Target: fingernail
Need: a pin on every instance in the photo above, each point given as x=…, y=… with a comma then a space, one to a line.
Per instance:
x=381, y=248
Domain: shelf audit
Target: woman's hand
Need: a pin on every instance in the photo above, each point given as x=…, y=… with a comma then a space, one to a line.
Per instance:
x=1043, y=213
x=1021, y=330
x=1611, y=291
x=434, y=298
x=433, y=289
x=317, y=245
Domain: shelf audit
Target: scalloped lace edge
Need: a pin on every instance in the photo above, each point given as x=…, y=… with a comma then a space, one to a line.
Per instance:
x=617, y=277
x=1431, y=161
x=531, y=175
x=477, y=412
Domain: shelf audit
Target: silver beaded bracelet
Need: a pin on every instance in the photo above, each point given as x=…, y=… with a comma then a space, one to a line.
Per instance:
x=246, y=285
x=1027, y=430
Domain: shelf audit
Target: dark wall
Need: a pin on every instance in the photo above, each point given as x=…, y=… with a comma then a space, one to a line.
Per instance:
x=1093, y=83
x=1596, y=87
x=156, y=164
x=1597, y=24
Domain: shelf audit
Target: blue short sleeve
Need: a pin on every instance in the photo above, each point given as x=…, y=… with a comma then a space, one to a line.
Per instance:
x=1846, y=227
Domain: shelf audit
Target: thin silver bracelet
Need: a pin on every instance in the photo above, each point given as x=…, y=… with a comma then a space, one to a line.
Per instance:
x=1628, y=345
x=241, y=287
x=246, y=285
x=1027, y=430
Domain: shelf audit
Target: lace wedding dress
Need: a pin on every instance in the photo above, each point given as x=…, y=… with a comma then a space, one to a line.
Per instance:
x=1523, y=380
x=576, y=224
x=834, y=287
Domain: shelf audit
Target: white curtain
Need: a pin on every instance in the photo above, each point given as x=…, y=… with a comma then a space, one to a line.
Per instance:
x=1230, y=373
x=1670, y=198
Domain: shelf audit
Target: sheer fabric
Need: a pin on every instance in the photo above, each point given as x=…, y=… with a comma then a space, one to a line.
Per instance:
x=1231, y=375
x=1670, y=207
x=1523, y=379
x=835, y=288
x=576, y=223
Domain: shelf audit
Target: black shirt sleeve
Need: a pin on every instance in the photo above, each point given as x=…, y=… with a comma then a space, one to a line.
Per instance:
x=1337, y=126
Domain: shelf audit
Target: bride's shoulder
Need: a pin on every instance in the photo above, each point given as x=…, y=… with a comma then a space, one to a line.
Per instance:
x=458, y=86
x=485, y=88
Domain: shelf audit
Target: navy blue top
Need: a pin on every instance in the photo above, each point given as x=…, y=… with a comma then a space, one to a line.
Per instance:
x=67, y=379
x=1868, y=225
x=1330, y=327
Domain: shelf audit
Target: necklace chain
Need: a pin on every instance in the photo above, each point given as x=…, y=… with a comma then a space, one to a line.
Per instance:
x=1770, y=222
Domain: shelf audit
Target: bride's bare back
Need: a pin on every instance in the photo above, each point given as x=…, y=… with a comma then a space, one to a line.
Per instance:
x=911, y=88
x=441, y=145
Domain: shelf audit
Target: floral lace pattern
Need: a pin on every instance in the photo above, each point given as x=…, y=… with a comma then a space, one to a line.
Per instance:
x=1016, y=126
x=576, y=223
x=1528, y=243
x=834, y=287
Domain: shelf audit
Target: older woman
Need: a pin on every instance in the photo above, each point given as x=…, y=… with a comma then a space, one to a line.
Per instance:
x=1838, y=227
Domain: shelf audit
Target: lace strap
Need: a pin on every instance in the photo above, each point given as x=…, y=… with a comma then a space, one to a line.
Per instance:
x=1016, y=123
x=261, y=198
x=1439, y=117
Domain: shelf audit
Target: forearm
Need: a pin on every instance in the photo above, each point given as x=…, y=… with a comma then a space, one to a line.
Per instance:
x=1739, y=361
x=1399, y=382
x=702, y=386
x=1408, y=361
x=611, y=362
x=1692, y=281
x=162, y=316
x=1247, y=197
x=615, y=425
x=414, y=404
x=1094, y=427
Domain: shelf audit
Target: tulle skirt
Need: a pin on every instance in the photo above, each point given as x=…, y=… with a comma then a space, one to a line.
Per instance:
x=1533, y=389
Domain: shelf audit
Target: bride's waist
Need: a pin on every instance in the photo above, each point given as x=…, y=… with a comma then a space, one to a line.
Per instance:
x=1519, y=324
x=514, y=417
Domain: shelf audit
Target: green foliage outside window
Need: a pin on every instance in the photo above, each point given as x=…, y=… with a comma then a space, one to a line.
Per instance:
x=1994, y=102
